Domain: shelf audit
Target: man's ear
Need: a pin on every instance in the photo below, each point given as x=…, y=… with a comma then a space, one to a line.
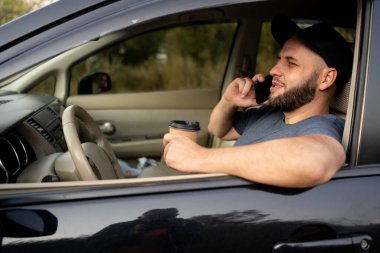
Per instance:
x=328, y=77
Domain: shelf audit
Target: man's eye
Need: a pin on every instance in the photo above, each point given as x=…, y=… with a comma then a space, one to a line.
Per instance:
x=292, y=64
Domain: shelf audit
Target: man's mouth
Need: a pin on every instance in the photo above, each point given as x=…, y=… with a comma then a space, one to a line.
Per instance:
x=276, y=85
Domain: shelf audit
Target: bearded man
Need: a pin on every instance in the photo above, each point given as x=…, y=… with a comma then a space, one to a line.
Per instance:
x=291, y=140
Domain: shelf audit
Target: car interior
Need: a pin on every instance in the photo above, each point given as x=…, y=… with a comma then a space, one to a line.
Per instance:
x=149, y=89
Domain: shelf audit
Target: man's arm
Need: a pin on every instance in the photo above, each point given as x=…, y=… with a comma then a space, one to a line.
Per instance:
x=299, y=162
x=221, y=121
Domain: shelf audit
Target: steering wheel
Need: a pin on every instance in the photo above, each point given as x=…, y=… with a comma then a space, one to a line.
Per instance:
x=89, y=149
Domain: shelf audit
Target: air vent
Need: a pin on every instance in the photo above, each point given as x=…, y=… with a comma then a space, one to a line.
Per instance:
x=40, y=129
x=20, y=148
x=4, y=175
x=9, y=157
x=15, y=155
x=51, y=110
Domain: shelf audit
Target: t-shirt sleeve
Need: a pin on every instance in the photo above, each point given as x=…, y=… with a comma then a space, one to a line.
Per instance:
x=331, y=126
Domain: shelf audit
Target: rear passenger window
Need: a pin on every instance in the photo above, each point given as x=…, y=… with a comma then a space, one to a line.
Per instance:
x=268, y=50
x=186, y=57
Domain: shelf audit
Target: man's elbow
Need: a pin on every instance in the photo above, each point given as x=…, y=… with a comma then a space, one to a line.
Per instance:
x=212, y=131
x=324, y=169
x=219, y=132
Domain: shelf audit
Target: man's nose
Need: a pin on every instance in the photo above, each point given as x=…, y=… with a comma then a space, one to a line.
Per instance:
x=275, y=70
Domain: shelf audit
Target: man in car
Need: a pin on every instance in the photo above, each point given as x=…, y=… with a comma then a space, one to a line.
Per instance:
x=290, y=141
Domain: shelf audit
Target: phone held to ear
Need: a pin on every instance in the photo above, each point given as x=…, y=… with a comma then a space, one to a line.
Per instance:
x=262, y=89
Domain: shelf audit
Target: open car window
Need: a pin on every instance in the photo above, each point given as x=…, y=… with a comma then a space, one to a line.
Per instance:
x=183, y=57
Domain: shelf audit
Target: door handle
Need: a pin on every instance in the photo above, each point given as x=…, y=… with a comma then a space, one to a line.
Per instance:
x=107, y=127
x=355, y=243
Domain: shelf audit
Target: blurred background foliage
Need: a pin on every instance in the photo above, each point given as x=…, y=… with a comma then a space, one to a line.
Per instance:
x=183, y=57
x=12, y=9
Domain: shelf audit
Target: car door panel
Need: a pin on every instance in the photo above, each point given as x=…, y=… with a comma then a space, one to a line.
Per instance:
x=140, y=120
x=200, y=219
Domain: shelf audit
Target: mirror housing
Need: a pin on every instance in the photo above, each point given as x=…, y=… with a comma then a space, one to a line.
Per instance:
x=95, y=83
x=21, y=223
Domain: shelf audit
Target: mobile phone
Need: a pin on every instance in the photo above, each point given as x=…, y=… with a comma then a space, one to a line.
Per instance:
x=262, y=89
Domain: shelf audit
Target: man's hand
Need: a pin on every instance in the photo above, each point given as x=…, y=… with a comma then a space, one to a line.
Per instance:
x=240, y=92
x=182, y=153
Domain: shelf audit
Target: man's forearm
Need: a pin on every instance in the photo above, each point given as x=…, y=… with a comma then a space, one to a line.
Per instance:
x=221, y=119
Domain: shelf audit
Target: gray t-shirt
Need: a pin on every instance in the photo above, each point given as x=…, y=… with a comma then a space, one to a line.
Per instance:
x=266, y=123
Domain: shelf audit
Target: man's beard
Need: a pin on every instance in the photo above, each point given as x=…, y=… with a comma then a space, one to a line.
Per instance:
x=297, y=96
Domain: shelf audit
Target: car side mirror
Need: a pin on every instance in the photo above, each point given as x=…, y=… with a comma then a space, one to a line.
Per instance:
x=27, y=223
x=98, y=82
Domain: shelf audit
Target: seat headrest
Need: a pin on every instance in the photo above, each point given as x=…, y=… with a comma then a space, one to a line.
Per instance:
x=339, y=104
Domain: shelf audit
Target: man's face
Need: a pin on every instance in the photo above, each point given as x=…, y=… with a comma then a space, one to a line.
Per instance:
x=295, y=76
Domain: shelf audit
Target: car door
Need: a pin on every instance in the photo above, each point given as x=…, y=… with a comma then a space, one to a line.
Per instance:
x=208, y=215
x=219, y=213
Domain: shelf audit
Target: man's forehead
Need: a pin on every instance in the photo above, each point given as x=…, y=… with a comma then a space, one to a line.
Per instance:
x=295, y=49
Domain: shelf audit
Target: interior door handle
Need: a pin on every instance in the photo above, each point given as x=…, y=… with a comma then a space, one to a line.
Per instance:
x=354, y=243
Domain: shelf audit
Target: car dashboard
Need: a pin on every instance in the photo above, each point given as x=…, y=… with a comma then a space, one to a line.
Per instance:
x=30, y=129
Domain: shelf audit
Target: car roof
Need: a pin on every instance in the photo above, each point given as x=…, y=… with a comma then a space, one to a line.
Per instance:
x=43, y=18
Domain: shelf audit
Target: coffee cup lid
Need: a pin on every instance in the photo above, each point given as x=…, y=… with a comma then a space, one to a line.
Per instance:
x=185, y=125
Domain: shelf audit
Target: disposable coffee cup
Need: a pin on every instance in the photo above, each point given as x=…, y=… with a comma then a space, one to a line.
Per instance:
x=186, y=128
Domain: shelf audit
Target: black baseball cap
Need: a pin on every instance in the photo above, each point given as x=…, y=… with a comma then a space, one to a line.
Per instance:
x=322, y=39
